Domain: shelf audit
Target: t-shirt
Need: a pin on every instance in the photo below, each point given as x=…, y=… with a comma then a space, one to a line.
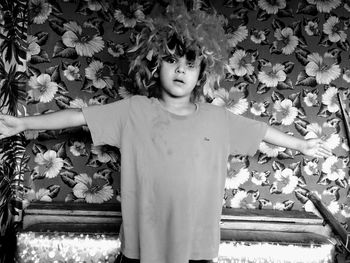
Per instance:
x=173, y=171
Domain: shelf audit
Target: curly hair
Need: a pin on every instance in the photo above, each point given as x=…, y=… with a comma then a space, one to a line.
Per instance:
x=180, y=32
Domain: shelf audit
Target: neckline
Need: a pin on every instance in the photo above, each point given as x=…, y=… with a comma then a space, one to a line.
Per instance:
x=177, y=116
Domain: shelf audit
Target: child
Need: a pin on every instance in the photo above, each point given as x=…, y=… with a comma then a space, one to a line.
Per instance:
x=174, y=149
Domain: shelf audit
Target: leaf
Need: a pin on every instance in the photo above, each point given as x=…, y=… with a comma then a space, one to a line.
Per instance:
x=60, y=149
x=301, y=55
x=324, y=41
x=285, y=13
x=262, y=88
x=88, y=86
x=285, y=85
x=307, y=9
x=277, y=24
x=250, y=78
x=62, y=88
x=262, y=15
x=277, y=96
x=42, y=38
x=274, y=48
x=263, y=158
x=323, y=112
x=42, y=57
x=68, y=164
x=344, y=45
x=105, y=174
x=301, y=195
x=300, y=126
x=305, y=80
x=115, y=166
x=97, y=23
x=287, y=154
x=288, y=66
x=277, y=166
x=56, y=24
x=54, y=73
x=63, y=102
x=274, y=190
x=298, y=32
x=288, y=205
x=38, y=148
x=101, y=98
x=53, y=190
x=60, y=50
x=68, y=178
x=35, y=175
x=343, y=183
x=93, y=161
x=55, y=7
x=323, y=180
x=264, y=202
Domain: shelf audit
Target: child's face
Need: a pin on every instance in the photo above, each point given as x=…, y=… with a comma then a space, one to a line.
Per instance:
x=179, y=76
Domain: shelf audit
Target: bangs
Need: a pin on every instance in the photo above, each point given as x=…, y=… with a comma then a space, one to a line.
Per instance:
x=179, y=48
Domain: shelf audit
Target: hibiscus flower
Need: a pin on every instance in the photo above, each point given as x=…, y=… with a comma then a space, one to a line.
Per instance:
x=233, y=100
x=72, y=73
x=241, y=63
x=325, y=69
x=333, y=31
x=258, y=36
x=286, y=180
x=40, y=11
x=311, y=28
x=333, y=168
x=33, y=47
x=270, y=150
x=49, y=163
x=272, y=6
x=287, y=40
x=237, y=36
x=84, y=43
x=329, y=98
x=270, y=74
x=99, y=74
x=131, y=18
x=258, y=108
x=92, y=193
x=235, y=178
x=325, y=132
x=325, y=6
x=311, y=99
x=42, y=88
x=78, y=148
x=284, y=111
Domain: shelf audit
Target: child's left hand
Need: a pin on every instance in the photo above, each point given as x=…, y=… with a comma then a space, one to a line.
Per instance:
x=316, y=148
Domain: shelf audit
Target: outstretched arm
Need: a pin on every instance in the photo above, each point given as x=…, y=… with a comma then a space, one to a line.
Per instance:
x=311, y=147
x=10, y=125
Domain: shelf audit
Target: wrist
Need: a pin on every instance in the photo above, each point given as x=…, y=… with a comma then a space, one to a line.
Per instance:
x=302, y=145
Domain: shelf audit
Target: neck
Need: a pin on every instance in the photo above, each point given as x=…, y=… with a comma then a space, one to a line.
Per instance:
x=178, y=106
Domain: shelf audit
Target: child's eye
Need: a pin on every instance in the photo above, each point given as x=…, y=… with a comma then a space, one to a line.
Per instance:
x=191, y=65
x=170, y=59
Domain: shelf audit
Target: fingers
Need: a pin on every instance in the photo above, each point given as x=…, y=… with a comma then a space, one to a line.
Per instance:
x=322, y=150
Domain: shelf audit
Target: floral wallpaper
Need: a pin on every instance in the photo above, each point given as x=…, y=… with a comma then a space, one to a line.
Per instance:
x=288, y=67
x=13, y=31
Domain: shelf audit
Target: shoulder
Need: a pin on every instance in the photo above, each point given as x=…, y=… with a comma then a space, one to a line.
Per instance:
x=212, y=109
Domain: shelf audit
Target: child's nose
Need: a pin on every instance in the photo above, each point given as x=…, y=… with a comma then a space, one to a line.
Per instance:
x=180, y=67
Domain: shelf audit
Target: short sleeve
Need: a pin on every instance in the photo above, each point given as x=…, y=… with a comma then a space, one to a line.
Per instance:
x=106, y=122
x=245, y=134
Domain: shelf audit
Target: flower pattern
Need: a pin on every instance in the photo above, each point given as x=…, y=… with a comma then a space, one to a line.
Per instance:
x=289, y=73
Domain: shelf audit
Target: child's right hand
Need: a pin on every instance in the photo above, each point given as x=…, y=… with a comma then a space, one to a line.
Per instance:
x=9, y=126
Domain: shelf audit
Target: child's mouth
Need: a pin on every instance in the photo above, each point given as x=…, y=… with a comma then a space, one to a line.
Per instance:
x=179, y=81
